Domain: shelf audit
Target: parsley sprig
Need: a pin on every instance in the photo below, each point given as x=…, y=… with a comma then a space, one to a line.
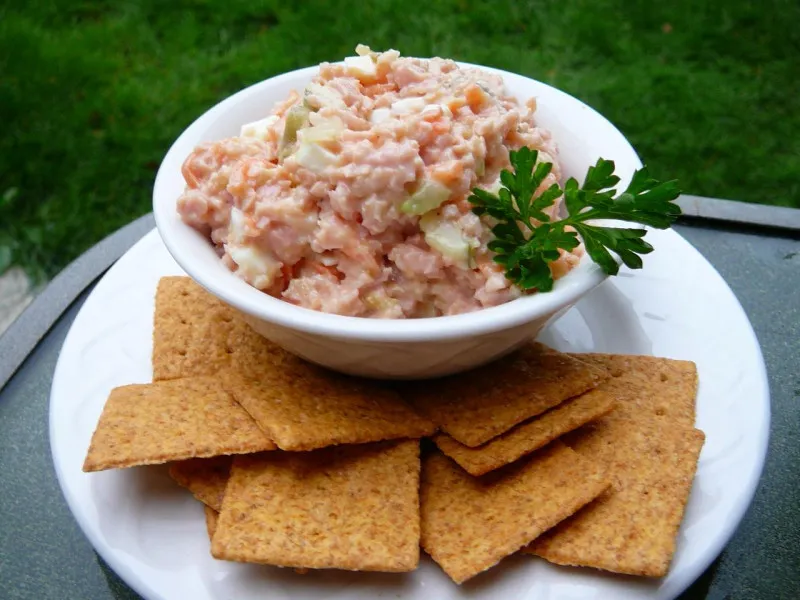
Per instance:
x=526, y=239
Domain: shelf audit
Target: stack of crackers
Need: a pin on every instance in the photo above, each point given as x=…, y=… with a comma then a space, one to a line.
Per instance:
x=582, y=459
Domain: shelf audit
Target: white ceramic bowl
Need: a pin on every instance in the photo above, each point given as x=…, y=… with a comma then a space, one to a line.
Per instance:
x=386, y=348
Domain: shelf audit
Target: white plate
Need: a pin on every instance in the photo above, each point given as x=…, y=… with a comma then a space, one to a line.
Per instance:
x=153, y=533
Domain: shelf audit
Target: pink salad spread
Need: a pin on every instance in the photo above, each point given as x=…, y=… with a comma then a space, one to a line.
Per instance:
x=351, y=197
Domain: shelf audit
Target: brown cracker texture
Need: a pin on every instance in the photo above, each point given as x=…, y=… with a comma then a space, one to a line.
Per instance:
x=650, y=448
x=195, y=334
x=345, y=507
x=304, y=407
x=478, y=405
x=183, y=310
x=648, y=386
x=632, y=528
x=212, y=516
x=154, y=423
x=528, y=436
x=469, y=524
x=206, y=478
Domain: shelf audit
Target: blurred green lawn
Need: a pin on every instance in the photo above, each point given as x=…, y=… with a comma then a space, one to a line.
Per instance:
x=93, y=93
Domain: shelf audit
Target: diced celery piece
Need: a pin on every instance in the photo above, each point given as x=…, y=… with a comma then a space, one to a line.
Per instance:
x=428, y=197
x=447, y=239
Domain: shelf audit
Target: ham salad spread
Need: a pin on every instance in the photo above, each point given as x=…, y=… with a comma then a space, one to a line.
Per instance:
x=351, y=197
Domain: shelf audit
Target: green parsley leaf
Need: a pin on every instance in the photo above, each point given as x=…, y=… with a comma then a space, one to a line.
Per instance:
x=526, y=240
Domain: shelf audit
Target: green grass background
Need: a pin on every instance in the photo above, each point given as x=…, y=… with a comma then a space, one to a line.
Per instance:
x=93, y=93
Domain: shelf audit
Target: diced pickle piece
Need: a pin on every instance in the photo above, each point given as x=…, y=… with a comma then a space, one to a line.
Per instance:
x=296, y=119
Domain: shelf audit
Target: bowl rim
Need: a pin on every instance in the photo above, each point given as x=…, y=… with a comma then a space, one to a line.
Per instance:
x=567, y=290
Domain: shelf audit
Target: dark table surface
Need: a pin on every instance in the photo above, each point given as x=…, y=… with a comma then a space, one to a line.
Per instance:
x=44, y=555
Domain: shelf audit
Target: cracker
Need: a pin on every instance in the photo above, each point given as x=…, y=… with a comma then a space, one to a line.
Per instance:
x=154, y=423
x=195, y=334
x=479, y=405
x=206, y=478
x=648, y=386
x=212, y=516
x=303, y=407
x=183, y=309
x=469, y=524
x=632, y=528
x=345, y=507
x=528, y=436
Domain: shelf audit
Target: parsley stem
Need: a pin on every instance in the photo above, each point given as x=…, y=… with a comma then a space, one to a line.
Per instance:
x=516, y=206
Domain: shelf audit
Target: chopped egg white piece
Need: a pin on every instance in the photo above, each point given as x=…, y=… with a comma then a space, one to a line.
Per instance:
x=254, y=265
x=259, y=129
x=544, y=157
x=379, y=115
x=407, y=106
x=363, y=67
x=237, y=226
x=326, y=133
x=317, y=96
x=434, y=111
x=314, y=157
x=495, y=186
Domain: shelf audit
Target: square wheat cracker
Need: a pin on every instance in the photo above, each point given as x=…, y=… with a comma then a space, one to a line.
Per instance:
x=528, y=436
x=345, y=507
x=649, y=444
x=649, y=386
x=641, y=387
x=212, y=516
x=182, y=310
x=479, y=405
x=195, y=334
x=469, y=524
x=144, y=424
x=304, y=407
x=205, y=478
x=633, y=527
